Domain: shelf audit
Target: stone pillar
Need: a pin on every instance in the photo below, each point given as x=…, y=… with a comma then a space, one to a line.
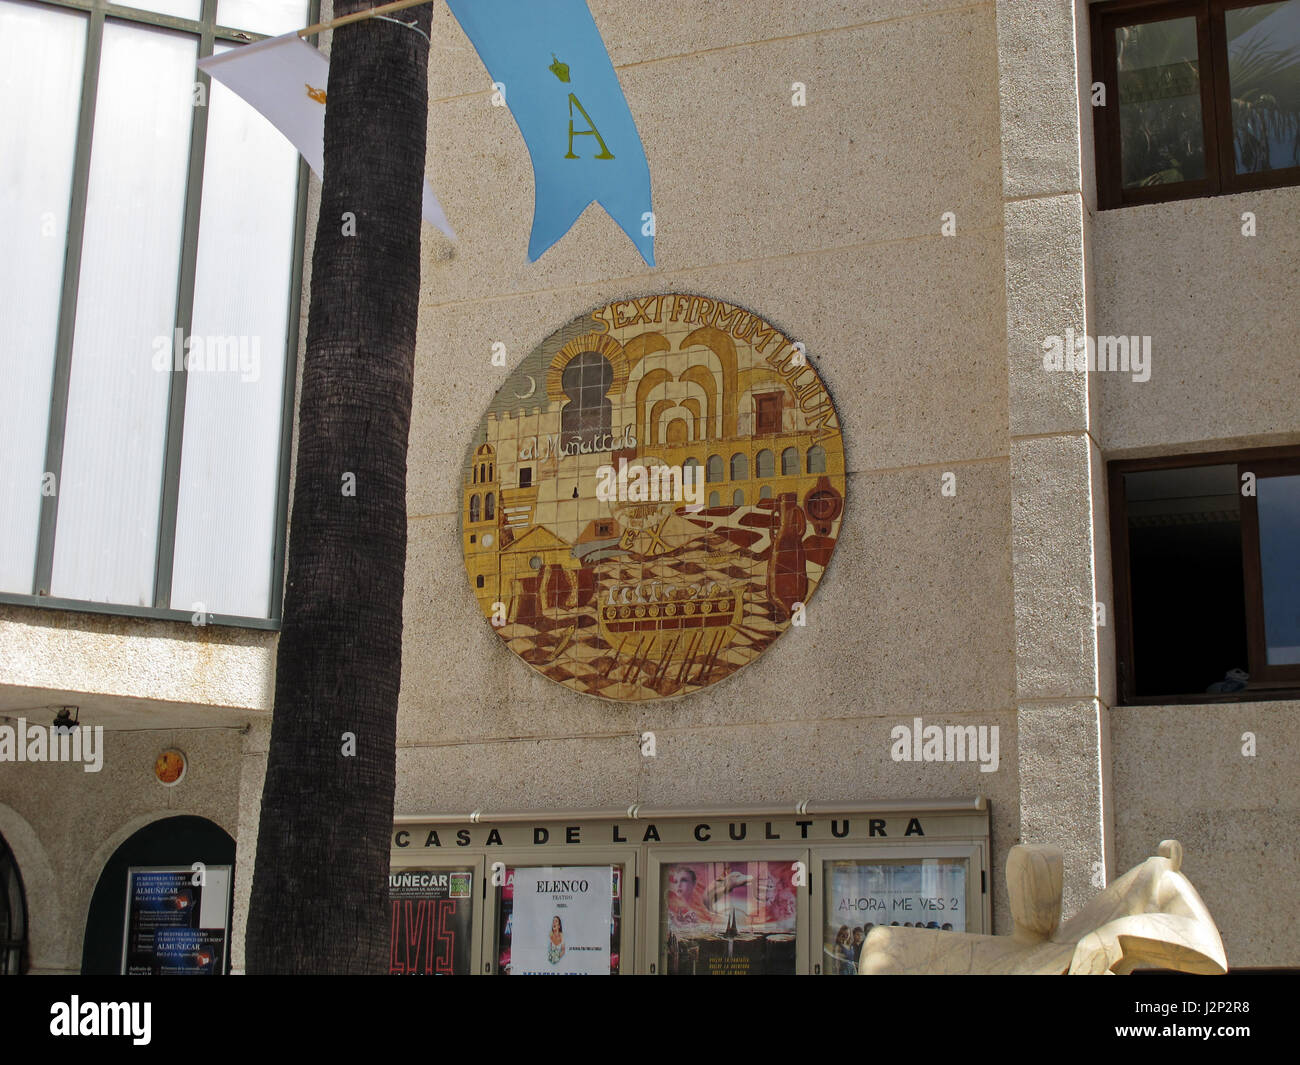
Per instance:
x=252, y=773
x=1060, y=552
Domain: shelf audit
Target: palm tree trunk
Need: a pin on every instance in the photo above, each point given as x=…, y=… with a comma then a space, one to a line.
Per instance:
x=320, y=886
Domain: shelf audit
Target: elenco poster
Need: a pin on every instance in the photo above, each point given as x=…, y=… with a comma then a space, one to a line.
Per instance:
x=431, y=911
x=561, y=920
x=174, y=926
x=860, y=895
x=728, y=918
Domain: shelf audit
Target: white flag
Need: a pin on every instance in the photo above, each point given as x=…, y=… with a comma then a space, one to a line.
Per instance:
x=284, y=78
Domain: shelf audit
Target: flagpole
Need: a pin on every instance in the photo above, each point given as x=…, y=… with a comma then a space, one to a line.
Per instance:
x=359, y=16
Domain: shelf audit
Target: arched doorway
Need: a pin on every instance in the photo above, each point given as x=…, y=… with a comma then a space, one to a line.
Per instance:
x=13, y=915
x=186, y=925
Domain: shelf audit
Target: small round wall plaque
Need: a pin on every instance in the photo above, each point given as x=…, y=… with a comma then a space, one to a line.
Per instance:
x=652, y=496
x=169, y=767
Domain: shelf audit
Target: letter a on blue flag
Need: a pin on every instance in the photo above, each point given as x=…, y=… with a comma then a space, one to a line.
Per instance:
x=562, y=90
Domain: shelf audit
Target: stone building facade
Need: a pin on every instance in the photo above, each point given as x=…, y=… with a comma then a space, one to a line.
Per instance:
x=922, y=222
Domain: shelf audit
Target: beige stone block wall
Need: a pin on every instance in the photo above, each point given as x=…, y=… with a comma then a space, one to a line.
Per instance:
x=1180, y=774
x=738, y=173
x=974, y=609
x=1222, y=313
x=876, y=628
x=152, y=685
x=134, y=672
x=813, y=218
x=252, y=774
x=64, y=823
x=1064, y=751
x=1056, y=524
x=1223, y=316
x=1045, y=296
x=1043, y=49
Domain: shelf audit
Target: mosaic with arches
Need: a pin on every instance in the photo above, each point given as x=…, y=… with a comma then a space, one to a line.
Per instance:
x=652, y=496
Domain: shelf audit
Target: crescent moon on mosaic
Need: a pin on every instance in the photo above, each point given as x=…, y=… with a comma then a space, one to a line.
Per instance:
x=532, y=387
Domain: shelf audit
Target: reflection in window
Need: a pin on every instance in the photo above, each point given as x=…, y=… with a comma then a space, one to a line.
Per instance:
x=432, y=920
x=734, y=918
x=1208, y=96
x=534, y=936
x=1279, y=555
x=474, y=508
x=713, y=471
x=1162, y=136
x=860, y=894
x=1264, y=77
x=739, y=467
x=764, y=464
x=789, y=462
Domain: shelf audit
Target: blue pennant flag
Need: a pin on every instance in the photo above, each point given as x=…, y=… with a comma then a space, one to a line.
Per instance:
x=562, y=90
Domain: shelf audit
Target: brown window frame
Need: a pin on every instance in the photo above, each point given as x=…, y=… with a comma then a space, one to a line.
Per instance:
x=13, y=898
x=1221, y=177
x=1266, y=682
x=1285, y=675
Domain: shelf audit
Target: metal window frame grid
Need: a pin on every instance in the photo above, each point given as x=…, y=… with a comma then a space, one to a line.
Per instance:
x=208, y=33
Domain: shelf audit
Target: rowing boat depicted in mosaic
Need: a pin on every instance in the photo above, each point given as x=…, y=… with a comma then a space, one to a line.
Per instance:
x=653, y=496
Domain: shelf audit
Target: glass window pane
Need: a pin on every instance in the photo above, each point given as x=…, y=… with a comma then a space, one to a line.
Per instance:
x=1161, y=133
x=272, y=17
x=41, y=54
x=1189, y=636
x=734, y=918
x=230, y=458
x=432, y=921
x=106, y=538
x=1264, y=72
x=1279, y=553
x=179, y=8
x=560, y=921
x=861, y=895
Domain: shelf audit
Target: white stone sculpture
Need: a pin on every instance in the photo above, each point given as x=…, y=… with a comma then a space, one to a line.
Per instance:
x=1151, y=917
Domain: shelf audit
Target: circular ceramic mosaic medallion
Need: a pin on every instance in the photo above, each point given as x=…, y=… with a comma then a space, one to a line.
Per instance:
x=169, y=766
x=652, y=496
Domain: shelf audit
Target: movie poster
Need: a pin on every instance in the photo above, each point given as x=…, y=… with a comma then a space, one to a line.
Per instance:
x=431, y=914
x=860, y=895
x=728, y=918
x=560, y=920
x=175, y=927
